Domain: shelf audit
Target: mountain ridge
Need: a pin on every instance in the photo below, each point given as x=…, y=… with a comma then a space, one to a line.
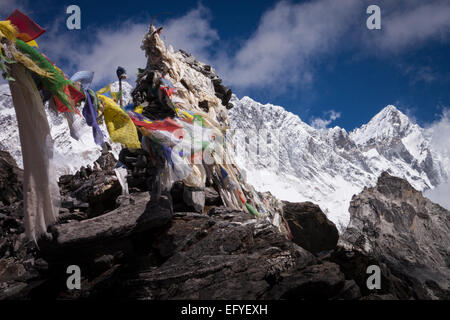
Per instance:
x=328, y=166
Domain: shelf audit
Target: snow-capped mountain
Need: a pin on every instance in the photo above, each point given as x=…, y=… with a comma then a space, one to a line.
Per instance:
x=69, y=154
x=280, y=153
x=297, y=162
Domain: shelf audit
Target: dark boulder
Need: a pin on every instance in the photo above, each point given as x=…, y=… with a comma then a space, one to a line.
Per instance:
x=194, y=198
x=78, y=238
x=186, y=199
x=227, y=255
x=318, y=281
x=310, y=227
x=212, y=197
x=92, y=190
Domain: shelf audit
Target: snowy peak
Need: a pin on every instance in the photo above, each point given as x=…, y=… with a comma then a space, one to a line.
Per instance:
x=390, y=123
x=392, y=135
x=329, y=166
x=392, y=116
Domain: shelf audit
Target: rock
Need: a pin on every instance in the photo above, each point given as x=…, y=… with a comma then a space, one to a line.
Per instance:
x=41, y=264
x=100, y=192
x=194, y=198
x=380, y=297
x=92, y=191
x=104, y=262
x=395, y=224
x=11, y=270
x=17, y=278
x=13, y=243
x=354, y=262
x=350, y=291
x=227, y=255
x=136, y=163
x=107, y=161
x=12, y=225
x=71, y=204
x=67, y=216
x=177, y=197
x=227, y=97
x=186, y=199
x=212, y=197
x=310, y=227
x=319, y=281
x=16, y=290
x=204, y=105
x=11, y=178
x=139, y=216
x=221, y=91
x=101, y=243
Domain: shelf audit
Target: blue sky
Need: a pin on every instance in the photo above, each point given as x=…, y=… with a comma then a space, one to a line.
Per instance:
x=315, y=58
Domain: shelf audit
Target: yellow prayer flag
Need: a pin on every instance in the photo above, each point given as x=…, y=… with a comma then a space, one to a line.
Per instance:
x=7, y=30
x=120, y=127
x=33, y=43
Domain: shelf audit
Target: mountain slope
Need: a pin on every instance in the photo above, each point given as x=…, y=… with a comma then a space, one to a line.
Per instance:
x=300, y=163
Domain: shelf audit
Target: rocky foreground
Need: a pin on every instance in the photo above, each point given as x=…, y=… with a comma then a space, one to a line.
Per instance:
x=128, y=246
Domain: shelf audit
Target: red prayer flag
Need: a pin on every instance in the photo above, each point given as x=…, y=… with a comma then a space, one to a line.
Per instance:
x=28, y=29
x=74, y=95
x=163, y=125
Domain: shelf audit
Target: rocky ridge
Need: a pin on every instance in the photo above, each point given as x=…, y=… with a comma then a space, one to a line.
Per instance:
x=399, y=226
x=146, y=250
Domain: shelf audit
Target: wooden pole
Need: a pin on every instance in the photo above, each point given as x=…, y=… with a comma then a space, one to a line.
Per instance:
x=120, y=91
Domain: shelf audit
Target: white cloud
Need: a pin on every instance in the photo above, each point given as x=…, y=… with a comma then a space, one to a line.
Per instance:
x=440, y=140
x=321, y=123
x=113, y=48
x=440, y=195
x=440, y=133
x=192, y=33
x=419, y=73
x=102, y=52
x=107, y=48
x=411, y=24
x=292, y=38
x=288, y=41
